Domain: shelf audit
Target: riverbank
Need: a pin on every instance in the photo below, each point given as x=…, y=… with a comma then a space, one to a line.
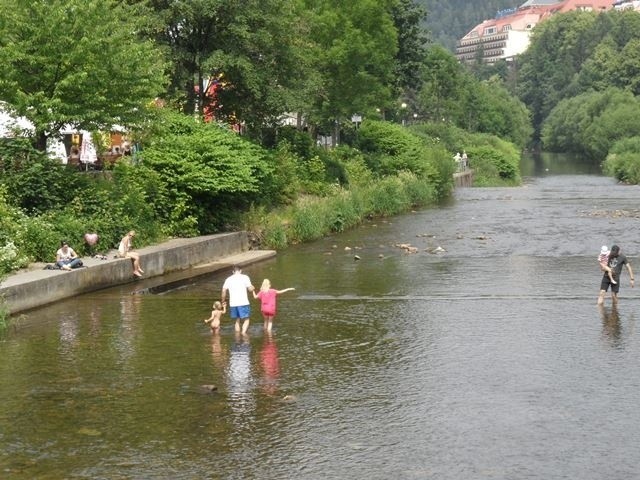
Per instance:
x=184, y=257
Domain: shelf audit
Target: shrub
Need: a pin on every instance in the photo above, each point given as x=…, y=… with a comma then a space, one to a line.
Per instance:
x=492, y=167
x=624, y=161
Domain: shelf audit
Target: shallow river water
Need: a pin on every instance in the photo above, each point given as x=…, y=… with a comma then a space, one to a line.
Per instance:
x=487, y=361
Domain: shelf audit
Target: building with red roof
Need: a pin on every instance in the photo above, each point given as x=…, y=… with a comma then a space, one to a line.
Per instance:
x=508, y=34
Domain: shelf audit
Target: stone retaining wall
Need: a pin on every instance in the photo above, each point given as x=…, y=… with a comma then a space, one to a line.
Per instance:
x=35, y=288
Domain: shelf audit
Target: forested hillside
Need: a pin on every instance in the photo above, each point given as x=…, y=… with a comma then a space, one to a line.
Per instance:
x=449, y=21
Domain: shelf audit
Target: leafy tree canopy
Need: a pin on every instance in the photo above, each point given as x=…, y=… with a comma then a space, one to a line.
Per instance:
x=76, y=62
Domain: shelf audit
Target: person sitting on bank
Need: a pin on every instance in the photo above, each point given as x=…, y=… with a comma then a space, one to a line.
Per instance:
x=66, y=257
x=125, y=250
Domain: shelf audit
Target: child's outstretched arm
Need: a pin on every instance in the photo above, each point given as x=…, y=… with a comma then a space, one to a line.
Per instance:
x=285, y=290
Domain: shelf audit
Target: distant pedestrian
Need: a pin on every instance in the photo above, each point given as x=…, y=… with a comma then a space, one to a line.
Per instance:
x=238, y=285
x=615, y=262
x=267, y=297
x=464, y=160
x=218, y=310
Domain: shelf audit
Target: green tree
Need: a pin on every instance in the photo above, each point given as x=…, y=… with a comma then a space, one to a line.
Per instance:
x=443, y=81
x=76, y=62
x=254, y=51
x=355, y=55
x=558, y=49
x=592, y=122
x=412, y=43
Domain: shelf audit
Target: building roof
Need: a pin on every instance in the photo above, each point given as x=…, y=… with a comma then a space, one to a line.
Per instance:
x=594, y=5
x=536, y=3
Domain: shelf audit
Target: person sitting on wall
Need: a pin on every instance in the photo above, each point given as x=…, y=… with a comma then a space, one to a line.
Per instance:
x=125, y=250
x=66, y=257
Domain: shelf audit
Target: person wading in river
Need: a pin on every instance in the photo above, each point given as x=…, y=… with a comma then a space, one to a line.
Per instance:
x=615, y=263
x=238, y=285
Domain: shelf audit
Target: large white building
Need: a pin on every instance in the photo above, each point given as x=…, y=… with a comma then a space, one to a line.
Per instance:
x=507, y=35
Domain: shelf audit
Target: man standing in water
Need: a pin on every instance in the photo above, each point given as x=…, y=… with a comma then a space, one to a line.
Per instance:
x=238, y=285
x=616, y=261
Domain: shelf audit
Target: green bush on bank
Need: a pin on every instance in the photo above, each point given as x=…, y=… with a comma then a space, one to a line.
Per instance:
x=623, y=161
x=495, y=162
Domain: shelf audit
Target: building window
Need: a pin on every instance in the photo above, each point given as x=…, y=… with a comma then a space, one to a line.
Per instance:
x=490, y=30
x=506, y=28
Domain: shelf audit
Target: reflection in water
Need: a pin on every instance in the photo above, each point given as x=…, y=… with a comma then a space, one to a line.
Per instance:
x=219, y=353
x=239, y=379
x=270, y=365
x=129, y=315
x=611, y=328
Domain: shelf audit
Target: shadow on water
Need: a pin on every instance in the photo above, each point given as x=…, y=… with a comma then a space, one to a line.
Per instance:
x=488, y=360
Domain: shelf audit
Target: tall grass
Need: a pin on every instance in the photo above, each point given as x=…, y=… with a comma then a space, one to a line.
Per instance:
x=310, y=218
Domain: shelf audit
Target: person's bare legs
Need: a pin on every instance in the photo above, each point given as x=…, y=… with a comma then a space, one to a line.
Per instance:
x=135, y=260
x=237, y=325
x=268, y=323
x=601, y=297
x=245, y=326
x=614, y=298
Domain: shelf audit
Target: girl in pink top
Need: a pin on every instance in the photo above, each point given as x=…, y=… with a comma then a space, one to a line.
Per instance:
x=267, y=297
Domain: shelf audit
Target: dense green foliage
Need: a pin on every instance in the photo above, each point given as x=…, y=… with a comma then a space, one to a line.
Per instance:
x=623, y=161
x=580, y=79
x=592, y=122
x=450, y=93
x=207, y=173
x=493, y=160
x=575, y=53
x=77, y=62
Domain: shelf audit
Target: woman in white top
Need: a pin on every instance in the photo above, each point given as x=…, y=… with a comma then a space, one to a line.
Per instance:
x=66, y=257
x=125, y=251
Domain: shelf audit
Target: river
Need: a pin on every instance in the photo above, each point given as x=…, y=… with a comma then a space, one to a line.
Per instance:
x=488, y=360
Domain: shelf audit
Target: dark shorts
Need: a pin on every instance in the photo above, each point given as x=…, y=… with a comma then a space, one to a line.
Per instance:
x=243, y=311
x=606, y=283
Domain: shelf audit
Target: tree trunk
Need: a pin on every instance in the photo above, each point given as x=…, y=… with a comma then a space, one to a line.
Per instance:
x=41, y=141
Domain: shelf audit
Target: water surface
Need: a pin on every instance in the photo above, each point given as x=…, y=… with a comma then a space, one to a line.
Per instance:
x=489, y=360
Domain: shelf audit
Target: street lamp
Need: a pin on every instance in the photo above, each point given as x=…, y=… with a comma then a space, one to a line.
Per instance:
x=403, y=106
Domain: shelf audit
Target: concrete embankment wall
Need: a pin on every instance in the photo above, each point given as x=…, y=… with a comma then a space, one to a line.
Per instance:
x=463, y=179
x=36, y=288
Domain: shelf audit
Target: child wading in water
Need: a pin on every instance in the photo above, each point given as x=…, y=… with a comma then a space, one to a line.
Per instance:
x=219, y=309
x=267, y=297
x=603, y=259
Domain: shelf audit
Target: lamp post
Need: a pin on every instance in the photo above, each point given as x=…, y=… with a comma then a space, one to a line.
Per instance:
x=403, y=106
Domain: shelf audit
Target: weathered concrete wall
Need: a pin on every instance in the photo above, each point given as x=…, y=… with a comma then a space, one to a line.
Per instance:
x=463, y=179
x=32, y=289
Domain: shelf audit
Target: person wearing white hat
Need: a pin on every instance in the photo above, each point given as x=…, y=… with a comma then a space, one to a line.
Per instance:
x=603, y=258
x=615, y=263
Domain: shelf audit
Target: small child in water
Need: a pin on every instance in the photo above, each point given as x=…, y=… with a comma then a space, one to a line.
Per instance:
x=219, y=309
x=267, y=297
x=603, y=259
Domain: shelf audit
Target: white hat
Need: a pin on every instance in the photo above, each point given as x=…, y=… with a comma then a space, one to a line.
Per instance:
x=604, y=249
